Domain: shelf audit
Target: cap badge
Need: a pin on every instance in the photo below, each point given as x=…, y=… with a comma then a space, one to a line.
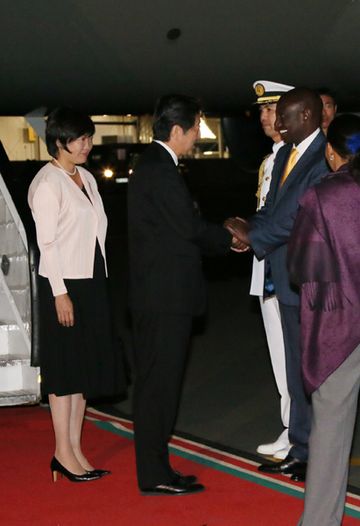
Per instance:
x=259, y=90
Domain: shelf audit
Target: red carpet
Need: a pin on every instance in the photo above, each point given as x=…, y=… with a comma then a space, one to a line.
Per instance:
x=236, y=494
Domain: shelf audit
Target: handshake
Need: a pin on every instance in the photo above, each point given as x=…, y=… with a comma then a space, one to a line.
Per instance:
x=239, y=229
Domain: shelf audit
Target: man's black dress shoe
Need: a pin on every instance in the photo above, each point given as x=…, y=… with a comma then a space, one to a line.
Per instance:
x=288, y=465
x=173, y=489
x=298, y=477
x=187, y=479
x=299, y=474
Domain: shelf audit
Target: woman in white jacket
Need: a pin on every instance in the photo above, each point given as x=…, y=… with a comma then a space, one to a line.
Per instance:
x=78, y=358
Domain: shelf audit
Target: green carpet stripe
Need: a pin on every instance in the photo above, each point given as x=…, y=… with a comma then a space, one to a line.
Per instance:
x=108, y=426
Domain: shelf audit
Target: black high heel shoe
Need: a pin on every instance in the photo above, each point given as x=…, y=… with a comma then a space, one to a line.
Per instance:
x=56, y=468
x=100, y=472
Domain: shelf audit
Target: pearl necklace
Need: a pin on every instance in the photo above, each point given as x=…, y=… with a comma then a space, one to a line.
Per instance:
x=61, y=166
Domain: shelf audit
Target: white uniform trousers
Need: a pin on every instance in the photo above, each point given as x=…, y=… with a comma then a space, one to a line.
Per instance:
x=274, y=335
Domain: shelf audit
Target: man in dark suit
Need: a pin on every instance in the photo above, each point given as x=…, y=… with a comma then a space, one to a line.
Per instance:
x=167, y=289
x=298, y=165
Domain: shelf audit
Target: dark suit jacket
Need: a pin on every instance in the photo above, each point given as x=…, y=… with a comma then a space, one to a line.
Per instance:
x=272, y=225
x=166, y=238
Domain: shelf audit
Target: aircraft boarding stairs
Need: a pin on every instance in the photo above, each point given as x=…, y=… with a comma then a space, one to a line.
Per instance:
x=19, y=382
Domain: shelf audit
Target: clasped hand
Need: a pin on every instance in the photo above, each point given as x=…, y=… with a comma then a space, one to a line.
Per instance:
x=239, y=229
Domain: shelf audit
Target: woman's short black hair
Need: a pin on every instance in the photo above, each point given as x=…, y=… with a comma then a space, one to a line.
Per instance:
x=65, y=125
x=344, y=136
x=174, y=109
x=340, y=131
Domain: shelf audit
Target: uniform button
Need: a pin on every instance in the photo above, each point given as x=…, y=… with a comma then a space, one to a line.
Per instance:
x=267, y=178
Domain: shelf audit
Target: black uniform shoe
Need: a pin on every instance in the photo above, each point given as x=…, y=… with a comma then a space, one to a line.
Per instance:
x=173, y=489
x=299, y=475
x=288, y=465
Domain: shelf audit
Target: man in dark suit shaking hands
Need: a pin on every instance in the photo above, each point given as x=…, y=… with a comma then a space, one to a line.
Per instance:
x=298, y=165
x=167, y=289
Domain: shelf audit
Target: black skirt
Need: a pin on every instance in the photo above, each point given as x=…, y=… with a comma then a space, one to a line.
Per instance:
x=85, y=358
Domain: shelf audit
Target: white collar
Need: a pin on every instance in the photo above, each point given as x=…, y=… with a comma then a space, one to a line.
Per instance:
x=171, y=152
x=304, y=145
x=276, y=146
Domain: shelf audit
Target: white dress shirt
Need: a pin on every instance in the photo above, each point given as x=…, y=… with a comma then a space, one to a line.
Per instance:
x=304, y=145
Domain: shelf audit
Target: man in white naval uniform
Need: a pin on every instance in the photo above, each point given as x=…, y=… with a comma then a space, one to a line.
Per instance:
x=268, y=93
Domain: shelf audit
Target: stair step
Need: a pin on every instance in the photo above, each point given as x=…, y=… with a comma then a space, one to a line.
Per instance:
x=18, y=376
x=8, y=327
x=18, y=273
x=19, y=397
x=21, y=298
x=12, y=340
x=13, y=359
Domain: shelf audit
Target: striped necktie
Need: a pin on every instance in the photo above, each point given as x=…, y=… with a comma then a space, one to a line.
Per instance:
x=290, y=164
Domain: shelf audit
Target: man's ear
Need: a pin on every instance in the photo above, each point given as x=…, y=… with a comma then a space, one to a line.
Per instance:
x=329, y=150
x=307, y=114
x=59, y=145
x=175, y=131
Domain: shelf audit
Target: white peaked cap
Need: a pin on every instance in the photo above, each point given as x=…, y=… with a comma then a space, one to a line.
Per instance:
x=268, y=92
